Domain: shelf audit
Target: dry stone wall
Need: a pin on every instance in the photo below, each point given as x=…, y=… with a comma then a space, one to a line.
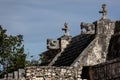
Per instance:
x=52, y=73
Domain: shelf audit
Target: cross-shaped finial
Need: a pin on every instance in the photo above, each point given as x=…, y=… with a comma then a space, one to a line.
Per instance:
x=104, y=11
x=66, y=29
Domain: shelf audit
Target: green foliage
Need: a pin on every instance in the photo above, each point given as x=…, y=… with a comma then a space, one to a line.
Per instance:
x=12, y=55
x=33, y=63
x=44, y=57
x=47, y=56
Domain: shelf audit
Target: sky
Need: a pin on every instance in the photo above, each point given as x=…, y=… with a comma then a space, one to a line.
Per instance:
x=38, y=20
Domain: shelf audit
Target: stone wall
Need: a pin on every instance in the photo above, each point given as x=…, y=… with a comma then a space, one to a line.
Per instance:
x=15, y=75
x=109, y=70
x=52, y=73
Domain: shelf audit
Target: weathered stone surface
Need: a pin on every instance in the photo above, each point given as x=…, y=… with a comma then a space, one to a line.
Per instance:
x=73, y=50
x=87, y=28
x=15, y=74
x=53, y=44
x=96, y=52
x=53, y=73
x=10, y=75
x=109, y=70
x=21, y=73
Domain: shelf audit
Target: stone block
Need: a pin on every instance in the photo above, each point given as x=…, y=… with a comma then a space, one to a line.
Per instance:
x=21, y=73
x=10, y=75
x=15, y=74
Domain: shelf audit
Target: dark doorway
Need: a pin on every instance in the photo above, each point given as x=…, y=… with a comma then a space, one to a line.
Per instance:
x=85, y=73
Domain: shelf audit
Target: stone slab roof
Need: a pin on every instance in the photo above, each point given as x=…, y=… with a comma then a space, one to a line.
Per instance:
x=73, y=50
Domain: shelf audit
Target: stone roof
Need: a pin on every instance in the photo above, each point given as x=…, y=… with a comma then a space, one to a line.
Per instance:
x=66, y=50
x=73, y=50
x=48, y=56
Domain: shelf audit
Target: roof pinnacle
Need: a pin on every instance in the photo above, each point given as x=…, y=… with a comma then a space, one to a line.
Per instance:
x=66, y=29
x=104, y=11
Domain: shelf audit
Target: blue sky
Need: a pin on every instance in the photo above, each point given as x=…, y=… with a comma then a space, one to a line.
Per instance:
x=38, y=20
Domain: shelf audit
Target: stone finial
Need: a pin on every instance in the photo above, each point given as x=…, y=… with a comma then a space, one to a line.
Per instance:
x=104, y=11
x=66, y=29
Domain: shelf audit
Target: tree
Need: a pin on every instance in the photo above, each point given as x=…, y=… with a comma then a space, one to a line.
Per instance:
x=12, y=55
